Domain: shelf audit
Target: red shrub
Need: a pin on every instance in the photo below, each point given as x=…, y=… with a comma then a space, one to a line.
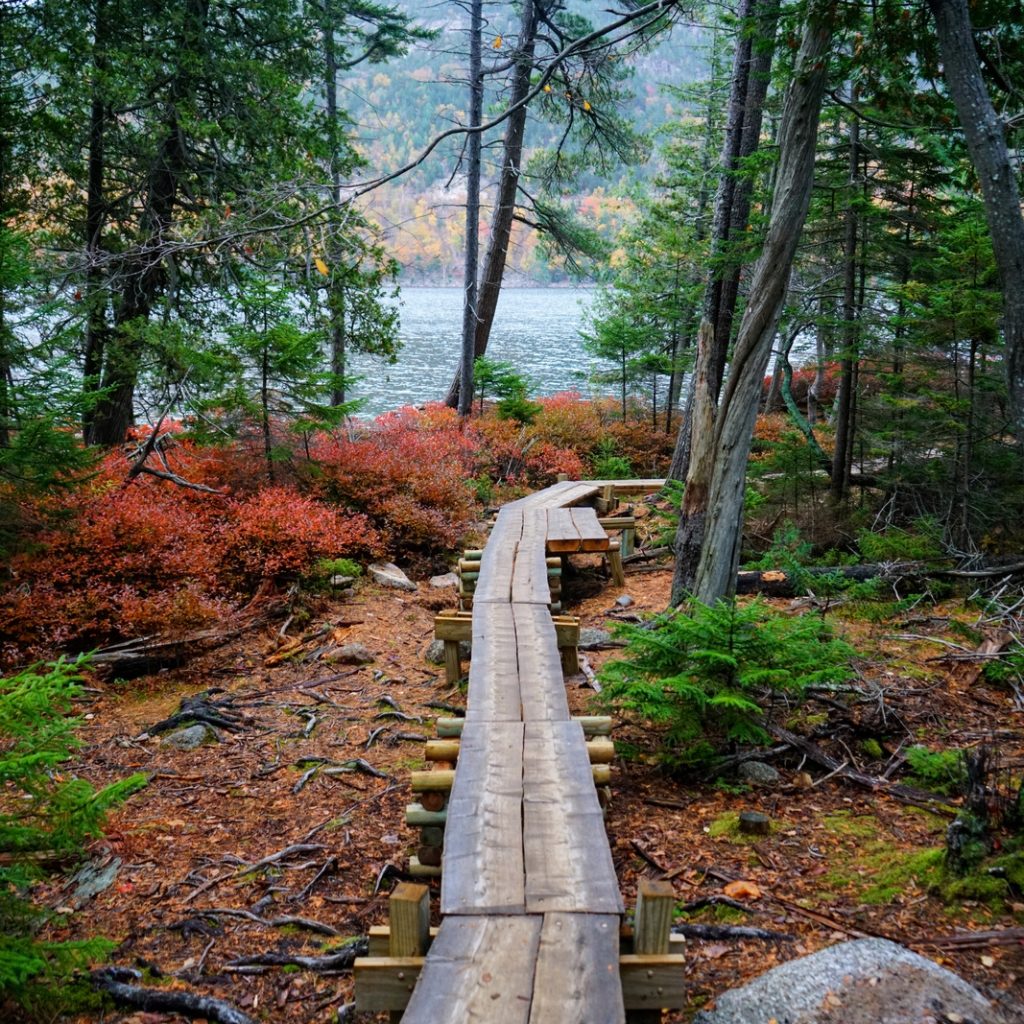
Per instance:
x=279, y=533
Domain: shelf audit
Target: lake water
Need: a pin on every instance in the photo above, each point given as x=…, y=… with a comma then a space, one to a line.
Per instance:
x=535, y=329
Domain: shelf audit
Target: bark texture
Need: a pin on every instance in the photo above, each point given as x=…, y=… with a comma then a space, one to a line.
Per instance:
x=716, y=571
x=986, y=142
x=505, y=202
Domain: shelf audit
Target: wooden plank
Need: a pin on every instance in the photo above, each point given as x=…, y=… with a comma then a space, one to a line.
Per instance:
x=530, y=575
x=628, y=487
x=592, y=533
x=478, y=969
x=493, y=694
x=542, y=498
x=652, y=982
x=482, y=868
x=385, y=982
x=541, y=688
x=579, y=493
x=562, y=535
x=577, y=980
x=499, y=557
x=568, y=863
x=409, y=919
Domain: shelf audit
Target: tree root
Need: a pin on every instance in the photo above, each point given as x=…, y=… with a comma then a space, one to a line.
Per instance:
x=115, y=982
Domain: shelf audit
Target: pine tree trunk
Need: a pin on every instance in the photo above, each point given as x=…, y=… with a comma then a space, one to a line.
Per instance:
x=469, y=310
x=844, y=399
x=503, y=215
x=719, y=554
x=749, y=87
x=986, y=142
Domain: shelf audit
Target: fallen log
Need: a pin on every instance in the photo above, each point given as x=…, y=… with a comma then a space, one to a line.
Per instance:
x=784, y=583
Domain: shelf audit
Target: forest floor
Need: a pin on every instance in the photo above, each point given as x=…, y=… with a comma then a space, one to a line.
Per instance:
x=190, y=898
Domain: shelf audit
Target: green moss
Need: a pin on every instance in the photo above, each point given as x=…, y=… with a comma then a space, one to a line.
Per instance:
x=846, y=823
x=873, y=749
x=892, y=871
x=728, y=915
x=727, y=825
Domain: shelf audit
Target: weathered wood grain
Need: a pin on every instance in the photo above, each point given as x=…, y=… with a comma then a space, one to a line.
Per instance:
x=530, y=575
x=493, y=694
x=562, y=535
x=577, y=979
x=541, y=688
x=568, y=863
x=592, y=534
x=478, y=969
x=482, y=869
x=499, y=558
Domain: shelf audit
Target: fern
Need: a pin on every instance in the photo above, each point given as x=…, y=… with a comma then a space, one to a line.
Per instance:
x=705, y=675
x=43, y=809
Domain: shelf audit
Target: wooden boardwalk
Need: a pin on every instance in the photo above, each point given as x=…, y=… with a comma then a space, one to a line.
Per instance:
x=530, y=902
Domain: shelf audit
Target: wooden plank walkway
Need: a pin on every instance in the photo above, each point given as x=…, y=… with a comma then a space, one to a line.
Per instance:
x=529, y=897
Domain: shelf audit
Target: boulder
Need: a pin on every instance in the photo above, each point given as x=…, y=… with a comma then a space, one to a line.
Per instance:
x=387, y=574
x=351, y=654
x=192, y=737
x=449, y=579
x=435, y=652
x=624, y=601
x=590, y=638
x=868, y=981
x=758, y=773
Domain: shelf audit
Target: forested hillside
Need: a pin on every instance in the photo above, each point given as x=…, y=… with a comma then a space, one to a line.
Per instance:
x=398, y=109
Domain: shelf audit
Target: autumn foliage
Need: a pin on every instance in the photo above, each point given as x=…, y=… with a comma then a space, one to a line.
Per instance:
x=112, y=559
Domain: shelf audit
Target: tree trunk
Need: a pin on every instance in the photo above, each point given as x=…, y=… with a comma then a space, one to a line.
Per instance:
x=986, y=142
x=798, y=130
x=96, y=329
x=690, y=532
x=503, y=214
x=844, y=399
x=143, y=273
x=336, y=282
x=750, y=79
x=469, y=310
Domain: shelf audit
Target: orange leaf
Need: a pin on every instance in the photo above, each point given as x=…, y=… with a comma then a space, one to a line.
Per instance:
x=497, y=42
x=321, y=266
x=742, y=891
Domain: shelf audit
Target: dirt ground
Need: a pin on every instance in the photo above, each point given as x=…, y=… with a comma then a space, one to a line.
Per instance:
x=190, y=899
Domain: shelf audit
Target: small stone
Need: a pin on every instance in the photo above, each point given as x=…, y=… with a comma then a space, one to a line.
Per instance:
x=753, y=823
x=192, y=737
x=389, y=575
x=624, y=601
x=758, y=773
x=352, y=654
x=435, y=652
x=590, y=638
x=449, y=579
x=342, y=581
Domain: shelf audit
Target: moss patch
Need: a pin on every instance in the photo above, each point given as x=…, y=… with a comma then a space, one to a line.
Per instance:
x=727, y=825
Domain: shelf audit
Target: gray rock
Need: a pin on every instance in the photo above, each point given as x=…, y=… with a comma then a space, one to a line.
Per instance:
x=435, y=652
x=869, y=981
x=352, y=654
x=192, y=737
x=449, y=579
x=624, y=601
x=593, y=638
x=342, y=581
x=758, y=773
x=92, y=879
x=388, y=574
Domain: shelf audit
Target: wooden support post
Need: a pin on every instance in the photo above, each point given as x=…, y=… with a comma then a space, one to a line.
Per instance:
x=452, y=664
x=615, y=561
x=628, y=540
x=570, y=660
x=652, y=931
x=409, y=919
